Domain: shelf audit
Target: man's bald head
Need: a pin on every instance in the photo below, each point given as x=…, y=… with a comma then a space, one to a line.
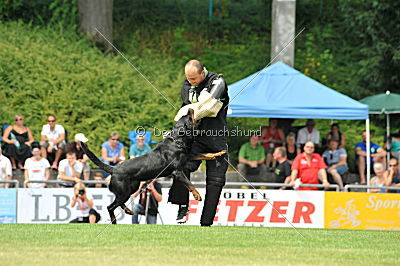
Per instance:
x=196, y=64
x=194, y=72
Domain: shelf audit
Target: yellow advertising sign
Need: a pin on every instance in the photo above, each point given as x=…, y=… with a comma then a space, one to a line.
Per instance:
x=356, y=210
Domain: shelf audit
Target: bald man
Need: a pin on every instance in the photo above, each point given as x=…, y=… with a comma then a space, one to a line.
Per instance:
x=211, y=137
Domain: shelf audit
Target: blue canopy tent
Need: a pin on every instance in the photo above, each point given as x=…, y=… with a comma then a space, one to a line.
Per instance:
x=281, y=91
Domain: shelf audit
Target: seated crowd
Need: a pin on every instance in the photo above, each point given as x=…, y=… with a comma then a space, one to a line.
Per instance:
x=272, y=158
x=269, y=158
x=21, y=151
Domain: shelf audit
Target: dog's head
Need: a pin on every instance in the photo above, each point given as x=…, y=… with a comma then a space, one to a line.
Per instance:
x=184, y=128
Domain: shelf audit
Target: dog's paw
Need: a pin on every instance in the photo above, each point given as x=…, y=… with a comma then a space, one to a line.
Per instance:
x=128, y=211
x=196, y=195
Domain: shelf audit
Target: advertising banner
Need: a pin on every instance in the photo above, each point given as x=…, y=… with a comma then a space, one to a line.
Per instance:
x=237, y=207
x=8, y=205
x=355, y=210
x=247, y=207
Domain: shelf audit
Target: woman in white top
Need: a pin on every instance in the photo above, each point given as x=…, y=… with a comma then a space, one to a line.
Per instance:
x=36, y=168
x=380, y=178
x=85, y=205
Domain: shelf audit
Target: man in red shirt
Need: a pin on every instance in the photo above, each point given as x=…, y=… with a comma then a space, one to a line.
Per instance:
x=309, y=167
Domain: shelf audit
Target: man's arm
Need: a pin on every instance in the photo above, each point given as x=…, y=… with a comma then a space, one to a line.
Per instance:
x=360, y=152
x=293, y=177
x=64, y=177
x=46, y=176
x=247, y=162
x=26, y=177
x=343, y=161
x=381, y=152
x=60, y=139
x=154, y=192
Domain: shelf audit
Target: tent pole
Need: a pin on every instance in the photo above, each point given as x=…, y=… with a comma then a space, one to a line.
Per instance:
x=368, y=150
x=388, y=140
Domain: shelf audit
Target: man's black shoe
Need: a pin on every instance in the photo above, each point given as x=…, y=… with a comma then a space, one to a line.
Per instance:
x=182, y=212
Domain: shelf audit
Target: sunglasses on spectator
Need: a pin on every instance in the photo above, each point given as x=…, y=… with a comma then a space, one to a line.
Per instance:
x=114, y=139
x=392, y=165
x=19, y=119
x=51, y=121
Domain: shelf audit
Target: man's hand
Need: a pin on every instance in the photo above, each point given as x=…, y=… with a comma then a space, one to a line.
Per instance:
x=150, y=186
x=253, y=164
x=115, y=159
x=77, y=180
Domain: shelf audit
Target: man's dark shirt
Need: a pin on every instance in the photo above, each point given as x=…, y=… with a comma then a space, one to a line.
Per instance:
x=153, y=206
x=282, y=171
x=217, y=124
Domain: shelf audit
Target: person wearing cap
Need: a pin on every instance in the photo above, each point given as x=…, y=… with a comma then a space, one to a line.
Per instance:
x=76, y=148
x=308, y=133
x=5, y=170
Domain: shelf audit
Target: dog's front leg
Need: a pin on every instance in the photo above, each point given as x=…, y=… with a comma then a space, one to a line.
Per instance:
x=180, y=176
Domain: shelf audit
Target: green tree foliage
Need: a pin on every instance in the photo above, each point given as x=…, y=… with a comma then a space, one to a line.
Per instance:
x=48, y=67
x=44, y=71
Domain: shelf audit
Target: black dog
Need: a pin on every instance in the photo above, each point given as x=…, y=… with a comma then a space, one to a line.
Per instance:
x=169, y=156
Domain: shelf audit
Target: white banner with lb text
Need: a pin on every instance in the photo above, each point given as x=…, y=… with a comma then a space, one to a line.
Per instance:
x=237, y=207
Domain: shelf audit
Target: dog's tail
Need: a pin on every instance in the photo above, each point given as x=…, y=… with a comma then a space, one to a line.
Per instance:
x=109, y=169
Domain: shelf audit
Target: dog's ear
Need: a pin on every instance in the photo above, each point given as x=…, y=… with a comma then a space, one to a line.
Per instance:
x=191, y=112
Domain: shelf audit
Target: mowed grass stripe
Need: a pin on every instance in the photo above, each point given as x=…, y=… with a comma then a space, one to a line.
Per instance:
x=192, y=245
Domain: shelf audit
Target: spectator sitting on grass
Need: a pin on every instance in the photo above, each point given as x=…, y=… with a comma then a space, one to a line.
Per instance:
x=140, y=148
x=70, y=170
x=377, y=155
x=379, y=179
x=393, y=175
x=76, y=148
x=37, y=168
x=52, y=139
x=336, y=159
x=5, y=170
x=251, y=160
x=85, y=206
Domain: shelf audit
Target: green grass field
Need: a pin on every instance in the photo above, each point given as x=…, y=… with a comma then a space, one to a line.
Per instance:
x=192, y=245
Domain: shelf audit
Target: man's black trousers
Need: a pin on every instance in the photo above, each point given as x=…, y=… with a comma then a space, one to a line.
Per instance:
x=215, y=180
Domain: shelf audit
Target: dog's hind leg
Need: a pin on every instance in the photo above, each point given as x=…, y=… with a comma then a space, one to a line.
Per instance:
x=118, y=202
x=126, y=209
x=111, y=208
